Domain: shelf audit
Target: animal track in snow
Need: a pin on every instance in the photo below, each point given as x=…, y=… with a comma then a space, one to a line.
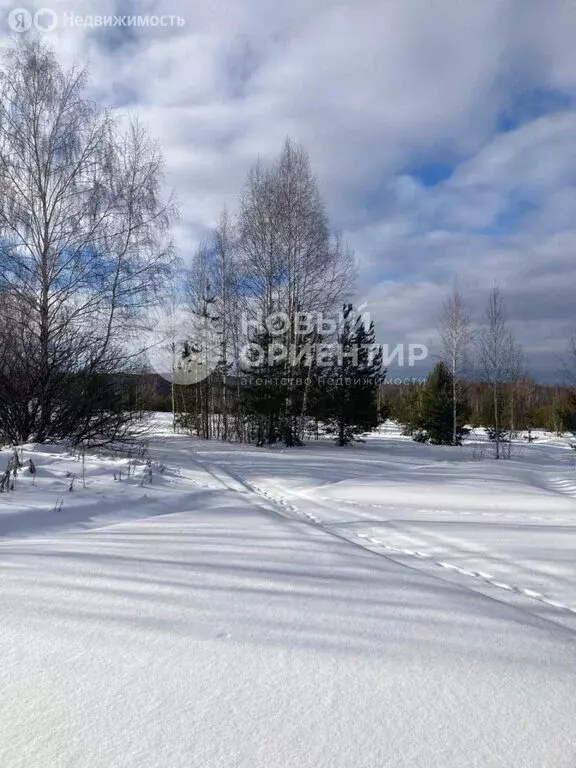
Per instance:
x=478, y=575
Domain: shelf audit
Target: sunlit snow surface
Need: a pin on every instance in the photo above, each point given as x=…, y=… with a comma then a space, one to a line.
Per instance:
x=388, y=604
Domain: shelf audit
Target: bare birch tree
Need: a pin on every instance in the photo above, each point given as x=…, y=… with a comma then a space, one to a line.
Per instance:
x=225, y=280
x=456, y=336
x=515, y=373
x=292, y=265
x=275, y=258
x=497, y=353
x=84, y=241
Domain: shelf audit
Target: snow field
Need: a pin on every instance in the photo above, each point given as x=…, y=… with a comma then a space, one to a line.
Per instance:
x=235, y=613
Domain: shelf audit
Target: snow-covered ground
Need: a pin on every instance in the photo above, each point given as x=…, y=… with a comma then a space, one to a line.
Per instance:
x=388, y=604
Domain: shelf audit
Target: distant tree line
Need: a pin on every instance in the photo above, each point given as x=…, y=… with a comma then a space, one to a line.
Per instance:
x=481, y=381
x=539, y=406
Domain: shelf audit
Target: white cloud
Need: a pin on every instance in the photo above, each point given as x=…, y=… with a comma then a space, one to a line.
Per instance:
x=374, y=89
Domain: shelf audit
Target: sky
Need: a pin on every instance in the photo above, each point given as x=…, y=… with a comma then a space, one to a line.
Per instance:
x=443, y=134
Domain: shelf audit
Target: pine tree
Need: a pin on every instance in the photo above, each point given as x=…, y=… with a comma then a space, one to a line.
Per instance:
x=434, y=422
x=354, y=380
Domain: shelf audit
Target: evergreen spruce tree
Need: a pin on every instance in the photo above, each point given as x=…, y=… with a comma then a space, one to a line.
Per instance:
x=434, y=422
x=567, y=414
x=405, y=408
x=264, y=391
x=357, y=373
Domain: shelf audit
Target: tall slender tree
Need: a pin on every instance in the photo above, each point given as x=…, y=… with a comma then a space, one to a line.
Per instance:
x=225, y=281
x=498, y=356
x=456, y=336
